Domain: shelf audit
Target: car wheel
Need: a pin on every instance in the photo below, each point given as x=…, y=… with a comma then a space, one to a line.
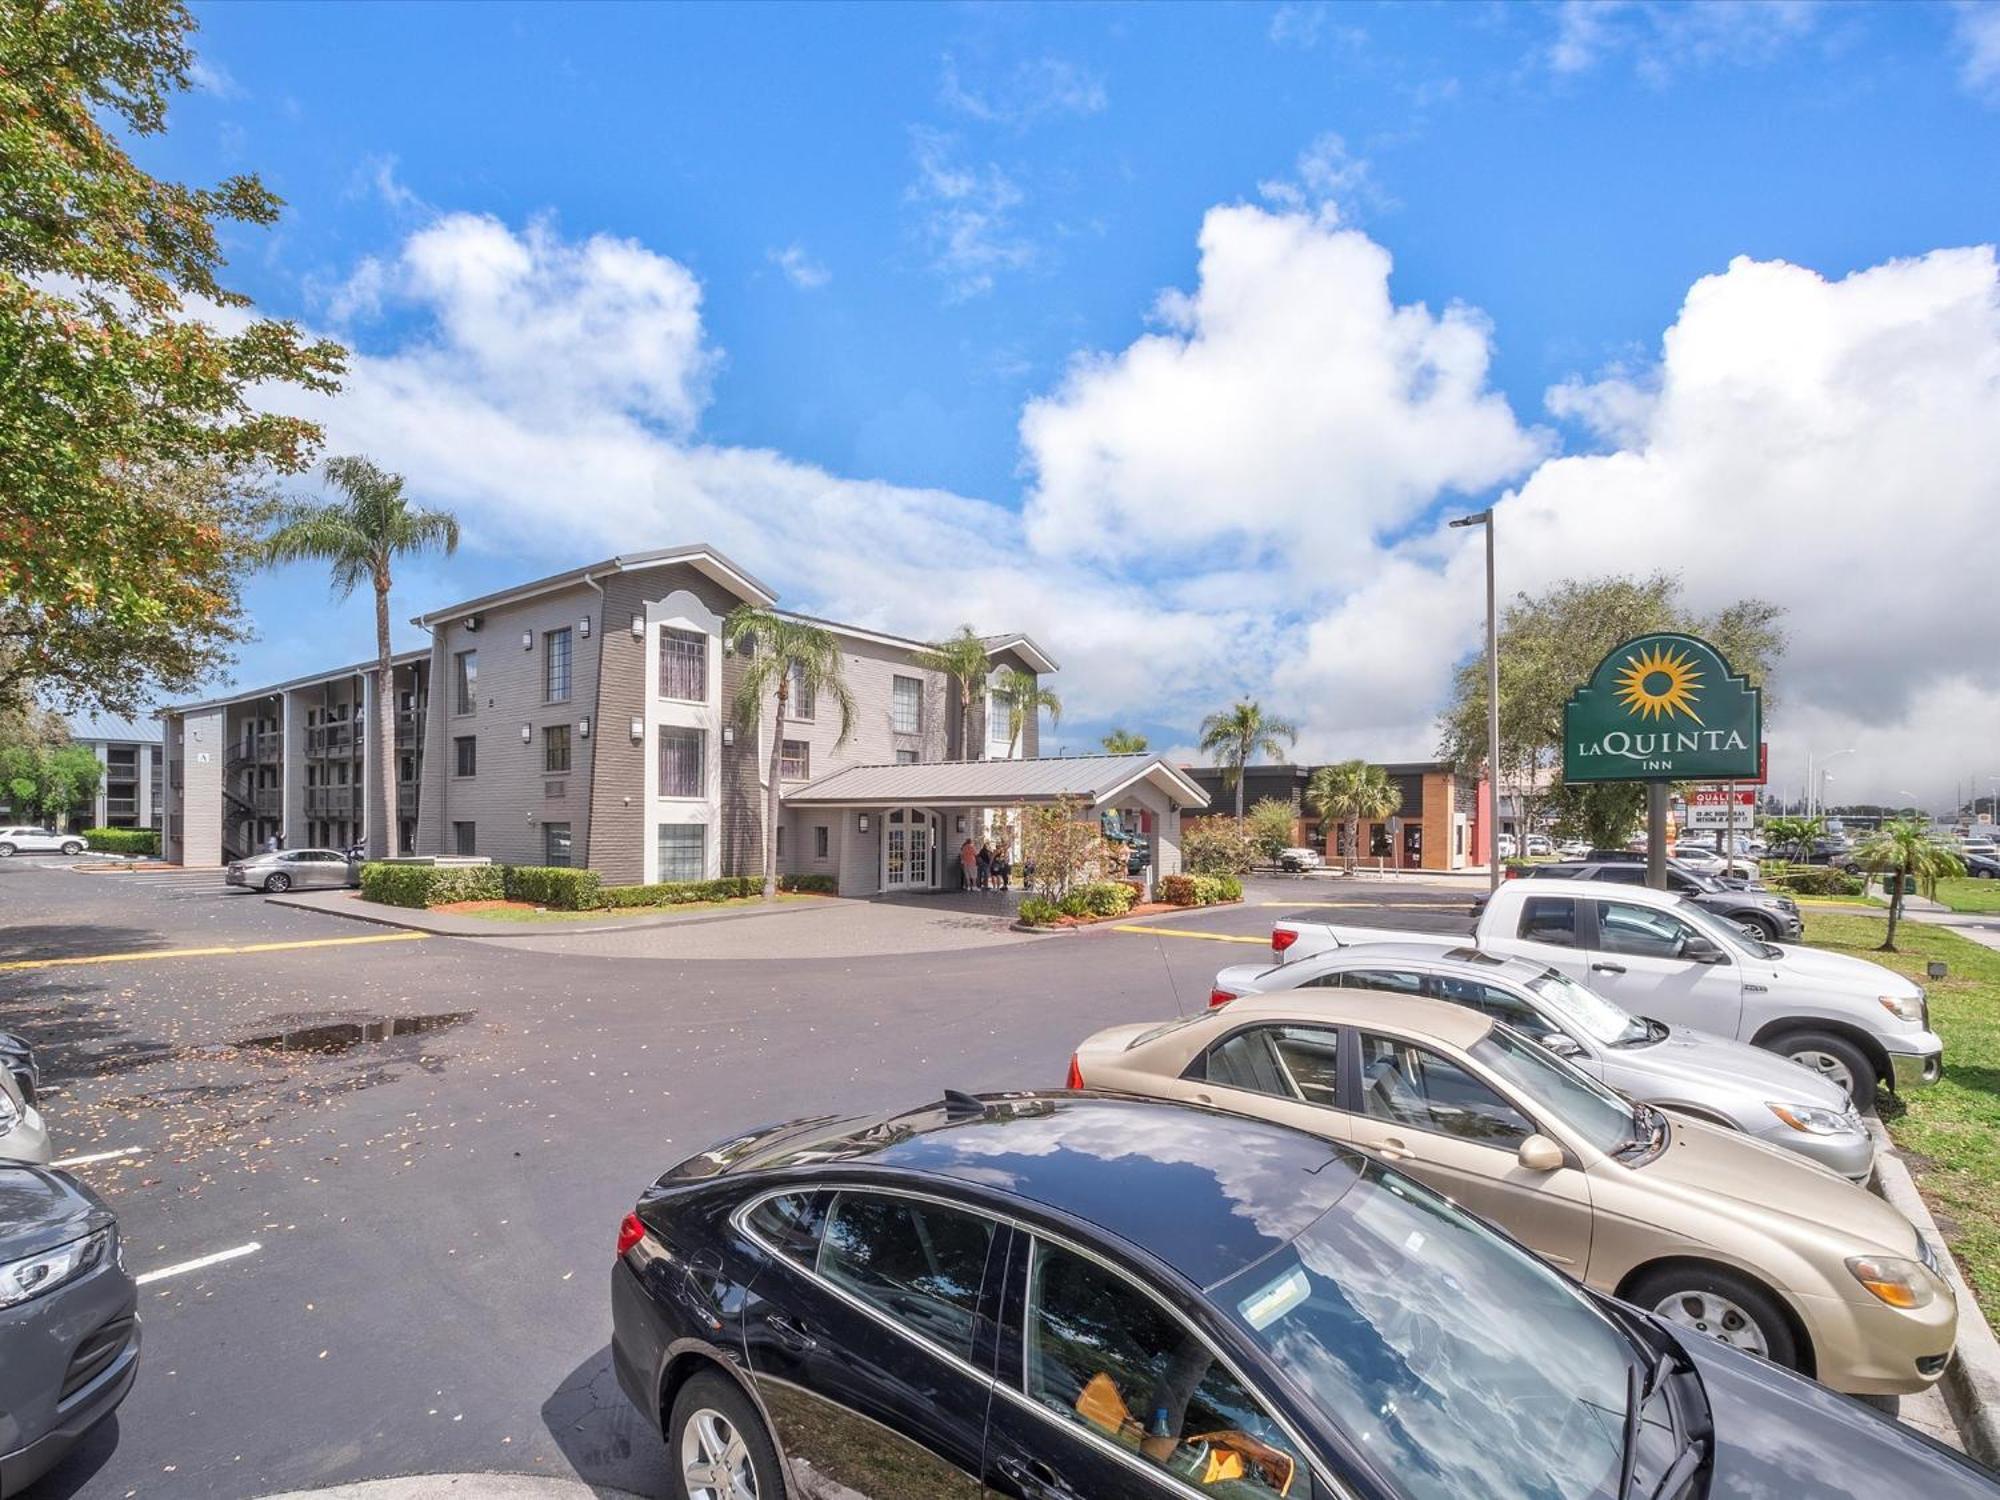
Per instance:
x=1760, y=927
x=1889, y=1406
x=1835, y=1059
x=72, y=847
x=275, y=883
x=717, y=1446
x=1720, y=1305
x=6, y=851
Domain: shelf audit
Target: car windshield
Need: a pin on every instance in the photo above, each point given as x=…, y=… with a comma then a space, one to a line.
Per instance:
x=1457, y=1362
x=1579, y=1101
x=1585, y=1008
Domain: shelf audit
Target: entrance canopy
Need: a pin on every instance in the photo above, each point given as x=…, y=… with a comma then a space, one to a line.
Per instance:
x=1097, y=780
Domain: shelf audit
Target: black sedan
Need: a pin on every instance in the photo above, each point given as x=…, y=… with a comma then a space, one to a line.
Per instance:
x=69, y=1325
x=1075, y=1297
x=1980, y=866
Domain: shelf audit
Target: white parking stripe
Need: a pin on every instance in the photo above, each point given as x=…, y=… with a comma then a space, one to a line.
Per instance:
x=199, y=1263
x=84, y=1161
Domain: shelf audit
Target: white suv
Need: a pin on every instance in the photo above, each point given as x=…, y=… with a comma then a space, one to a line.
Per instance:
x=37, y=841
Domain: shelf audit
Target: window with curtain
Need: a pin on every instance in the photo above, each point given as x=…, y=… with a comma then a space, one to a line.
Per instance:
x=683, y=665
x=680, y=763
x=795, y=760
x=465, y=674
x=682, y=851
x=798, y=694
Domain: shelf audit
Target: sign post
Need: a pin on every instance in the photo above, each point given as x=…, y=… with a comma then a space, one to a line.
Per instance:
x=1662, y=708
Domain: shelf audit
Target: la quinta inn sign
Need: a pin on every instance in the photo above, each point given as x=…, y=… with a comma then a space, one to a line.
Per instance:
x=1663, y=707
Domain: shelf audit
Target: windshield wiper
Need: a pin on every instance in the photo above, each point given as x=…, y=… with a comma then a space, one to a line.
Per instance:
x=1652, y=1032
x=1635, y=1401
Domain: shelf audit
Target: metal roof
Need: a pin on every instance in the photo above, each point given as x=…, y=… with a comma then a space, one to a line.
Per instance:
x=698, y=554
x=86, y=727
x=1021, y=645
x=984, y=783
x=272, y=689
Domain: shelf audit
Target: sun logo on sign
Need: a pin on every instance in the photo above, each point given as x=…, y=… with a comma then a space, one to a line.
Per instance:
x=1658, y=683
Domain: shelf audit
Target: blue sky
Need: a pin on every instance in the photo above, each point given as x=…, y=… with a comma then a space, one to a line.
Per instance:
x=905, y=224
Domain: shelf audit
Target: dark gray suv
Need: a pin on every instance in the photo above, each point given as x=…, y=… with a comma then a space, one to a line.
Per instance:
x=69, y=1320
x=1763, y=913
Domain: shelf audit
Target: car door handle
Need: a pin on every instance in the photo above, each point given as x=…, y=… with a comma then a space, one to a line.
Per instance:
x=1034, y=1477
x=1203, y=1099
x=1607, y=968
x=1395, y=1150
x=791, y=1334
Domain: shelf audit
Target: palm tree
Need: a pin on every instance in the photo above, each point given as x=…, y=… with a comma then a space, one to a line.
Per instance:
x=1794, y=837
x=777, y=651
x=1123, y=742
x=1238, y=736
x=962, y=658
x=1350, y=791
x=1026, y=699
x=359, y=535
x=1906, y=847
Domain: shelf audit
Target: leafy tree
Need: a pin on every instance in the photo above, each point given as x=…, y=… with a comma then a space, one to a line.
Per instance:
x=1067, y=847
x=359, y=536
x=1906, y=848
x=1352, y=791
x=1123, y=742
x=1238, y=735
x=1025, y=698
x=1216, y=846
x=1549, y=646
x=964, y=660
x=777, y=651
x=1793, y=838
x=126, y=423
x=45, y=781
x=1270, y=824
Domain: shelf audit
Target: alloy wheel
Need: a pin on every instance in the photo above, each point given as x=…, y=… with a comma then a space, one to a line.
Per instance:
x=715, y=1461
x=1714, y=1317
x=1829, y=1067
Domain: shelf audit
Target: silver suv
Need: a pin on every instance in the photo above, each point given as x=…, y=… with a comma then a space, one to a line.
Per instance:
x=23, y=839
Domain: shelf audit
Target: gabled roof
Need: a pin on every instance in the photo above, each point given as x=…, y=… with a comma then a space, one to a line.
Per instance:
x=1097, y=779
x=1022, y=647
x=271, y=690
x=700, y=556
x=86, y=727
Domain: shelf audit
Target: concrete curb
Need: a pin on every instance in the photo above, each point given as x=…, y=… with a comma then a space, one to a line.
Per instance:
x=414, y=921
x=1971, y=1383
x=462, y=1487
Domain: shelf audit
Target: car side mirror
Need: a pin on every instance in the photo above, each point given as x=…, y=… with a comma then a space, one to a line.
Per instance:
x=1702, y=951
x=1563, y=1044
x=1540, y=1154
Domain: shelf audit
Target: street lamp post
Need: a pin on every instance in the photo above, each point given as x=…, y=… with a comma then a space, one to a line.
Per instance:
x=1820, y=806
x=1485, y=518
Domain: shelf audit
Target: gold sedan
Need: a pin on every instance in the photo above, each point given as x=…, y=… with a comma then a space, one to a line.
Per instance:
x=1708, y=1229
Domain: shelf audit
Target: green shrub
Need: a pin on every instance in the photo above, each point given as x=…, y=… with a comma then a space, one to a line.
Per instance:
x=1037, y=912
x=557, y=887
x=123, y=840
x=1104, y=898
x=1175, y=890
x=432, y=885
x=1216, y=846
x=1199, y=890
x=811, y=885
x=1229, y=888
x=1074, y=904
x=1815, y=880
x=681, y=892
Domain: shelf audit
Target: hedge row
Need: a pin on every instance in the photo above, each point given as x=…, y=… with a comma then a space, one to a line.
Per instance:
x=555, y=886
x=432, y=885
x=1814, y=880
x=725, y=888
x=123, y=840
x=1199, y=890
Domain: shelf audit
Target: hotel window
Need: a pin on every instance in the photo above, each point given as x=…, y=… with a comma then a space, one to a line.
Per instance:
x=683, y=665
x=680, y=763
x=465, y=750
x=795, y=760
x=555, y=665
x=819, y=841
x=906, y=757
x=906, y=713
x=799, y=693
x=555, y=845
x=465, y=670
x=462, y=838
x=781, y=841
x=555, y=748
x=682, y=851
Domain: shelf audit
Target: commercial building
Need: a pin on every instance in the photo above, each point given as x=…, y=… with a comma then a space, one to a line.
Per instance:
x=1443, y=823
x=588, y=719
x=128, y=793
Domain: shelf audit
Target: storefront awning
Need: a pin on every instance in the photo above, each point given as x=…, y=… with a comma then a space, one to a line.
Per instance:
x=1097, y=780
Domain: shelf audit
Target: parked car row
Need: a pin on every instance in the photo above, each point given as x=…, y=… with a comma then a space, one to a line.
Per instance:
x=1399, y=1217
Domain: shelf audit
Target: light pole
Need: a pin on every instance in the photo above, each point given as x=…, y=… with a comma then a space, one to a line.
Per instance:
x=1820, y=806
x=1485, y=518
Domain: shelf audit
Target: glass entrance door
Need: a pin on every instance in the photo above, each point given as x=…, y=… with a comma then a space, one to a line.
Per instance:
x=909, y=850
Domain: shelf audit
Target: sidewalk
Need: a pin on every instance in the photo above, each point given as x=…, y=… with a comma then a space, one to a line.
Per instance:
x=456, y=924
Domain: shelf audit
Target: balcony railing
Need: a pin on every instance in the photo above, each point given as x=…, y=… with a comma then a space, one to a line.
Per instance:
x=335, y=739
x=406, y=799
x=409, y=731
x=331, y=801
x=268, y=800
x=270, y=745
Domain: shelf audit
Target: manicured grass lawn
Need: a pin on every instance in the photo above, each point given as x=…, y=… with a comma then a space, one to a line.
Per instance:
x=523, y=913
x=1949, y=1133
x=1963, y=893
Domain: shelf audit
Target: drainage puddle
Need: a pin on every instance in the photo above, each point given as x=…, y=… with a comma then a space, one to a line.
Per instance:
x=330, y=1039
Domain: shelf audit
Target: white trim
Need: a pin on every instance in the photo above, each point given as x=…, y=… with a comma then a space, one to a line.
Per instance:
x=1021, y=646
x=681, y=610
x=704, y=560
x=1145, y=772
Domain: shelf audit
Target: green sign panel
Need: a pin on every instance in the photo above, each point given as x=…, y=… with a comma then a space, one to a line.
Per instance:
x=1663, y=707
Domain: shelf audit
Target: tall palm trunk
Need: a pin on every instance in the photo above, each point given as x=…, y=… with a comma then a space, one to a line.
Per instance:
x=1242, y=762
x=1353, y=840
x=382, y=817
x=1901, y=877
x=771, y=795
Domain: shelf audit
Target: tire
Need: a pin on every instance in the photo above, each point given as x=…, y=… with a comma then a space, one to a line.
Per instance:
x=6, y=851
x=1889, y=1406
x=708, y=1409
x=72, y=848
x=1757, y=926
x=277, y=883
x=1831, y=1056
x=1722, y=1305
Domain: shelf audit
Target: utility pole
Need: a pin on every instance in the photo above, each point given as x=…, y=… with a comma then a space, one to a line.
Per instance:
x=1485, y=518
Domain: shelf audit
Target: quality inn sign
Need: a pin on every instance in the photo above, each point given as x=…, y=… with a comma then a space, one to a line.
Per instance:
x=1663, y=707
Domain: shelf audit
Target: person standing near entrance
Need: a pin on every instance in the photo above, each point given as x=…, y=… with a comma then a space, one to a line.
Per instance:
x=1002, y=867
x=985, y=864
x=967, y=864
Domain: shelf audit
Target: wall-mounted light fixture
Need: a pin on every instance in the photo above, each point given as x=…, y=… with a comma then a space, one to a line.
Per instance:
x=583, y=728
x=728, y=734
x=527, y=640
x=583, y=627
x=639, y=625
x=864, y=822
x=527, y=733
x=638, y=727
x=961, y=822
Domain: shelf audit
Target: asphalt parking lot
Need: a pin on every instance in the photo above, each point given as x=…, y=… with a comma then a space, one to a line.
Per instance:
x=374, y=1177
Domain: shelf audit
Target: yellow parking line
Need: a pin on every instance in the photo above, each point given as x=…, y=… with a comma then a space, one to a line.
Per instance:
x=1189, y=932
x=151, y=953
